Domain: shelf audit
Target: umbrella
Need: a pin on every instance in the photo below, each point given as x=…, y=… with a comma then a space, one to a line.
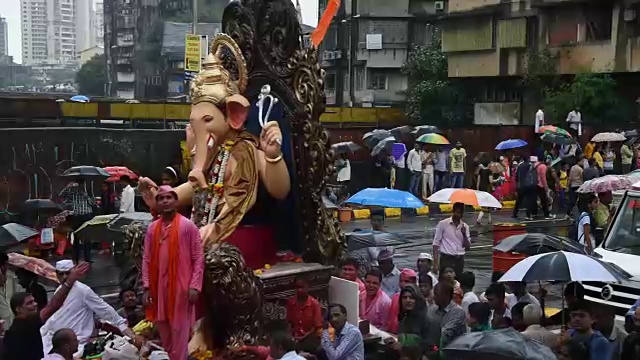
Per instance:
x=363, y=239
x=631, y=133
x=465, y=196
x=558, y=139
x=556, y=161
x=636, y=186
x=97, y=225
x=80, y=98
x=386, y=198
x=372, y=137
x=345, y=147
x=564, y=266
x=385, y=143
x=511, y=144
x=37, y=266
x=635, y=175
x=116, y=172
x=433, y=138
x=606, y=183
x=482, y=157
x=85, y=172
x=35, y=205
x=537, y=243
x=503, y=344
x=608, y=136
x=550, y=129
x=123, y=219
x=426, y=129
x=12, y=234
x=328, y=203
x=399, y=131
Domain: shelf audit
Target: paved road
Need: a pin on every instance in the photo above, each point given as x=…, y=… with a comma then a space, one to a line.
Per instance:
x=418, y=231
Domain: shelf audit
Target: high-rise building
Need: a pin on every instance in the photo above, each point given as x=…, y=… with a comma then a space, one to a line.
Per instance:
x=84, y=25
x=4, y=37
x=48, y=31
x=98, y=23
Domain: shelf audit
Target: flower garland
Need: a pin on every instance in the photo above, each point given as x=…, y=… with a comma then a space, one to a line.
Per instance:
x=216, y=185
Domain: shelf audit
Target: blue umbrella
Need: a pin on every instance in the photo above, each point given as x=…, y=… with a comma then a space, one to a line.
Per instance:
x=80, y=98
x=386, y=198
x=511, y=144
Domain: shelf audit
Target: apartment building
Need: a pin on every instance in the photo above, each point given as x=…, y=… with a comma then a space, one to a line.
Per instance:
x=4, y=37
x=85, y=34
x=487, y=41
x=366, y=47
x=98, y=24
x=119, y=31
x=48, y=31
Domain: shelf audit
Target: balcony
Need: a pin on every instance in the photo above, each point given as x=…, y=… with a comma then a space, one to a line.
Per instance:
x=468, y=5
x=124, y=77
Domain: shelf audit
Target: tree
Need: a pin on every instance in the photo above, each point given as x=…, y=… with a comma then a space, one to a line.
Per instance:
x=92, y=77
x=593, y=93
x=540, y=73
x=432, y=98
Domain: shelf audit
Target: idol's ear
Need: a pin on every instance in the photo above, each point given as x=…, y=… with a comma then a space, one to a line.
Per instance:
x=237, y=111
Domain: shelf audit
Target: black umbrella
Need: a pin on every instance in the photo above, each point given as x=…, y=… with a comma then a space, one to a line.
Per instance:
x=345, y=147
x=426, y=129
x=503, y=344
x=12, y=234
x=558, y=139
x=386, y=143
x=537, y=243
x=372, y=138
x=399, y=131
x=363, y=239
x=123, y=219
x=85, y=172
x=38, y=205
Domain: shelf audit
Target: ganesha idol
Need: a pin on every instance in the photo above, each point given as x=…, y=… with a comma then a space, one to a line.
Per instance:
x=235, y=175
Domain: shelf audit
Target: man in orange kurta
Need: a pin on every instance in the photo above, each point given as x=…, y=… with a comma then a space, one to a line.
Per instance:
x=172, y=268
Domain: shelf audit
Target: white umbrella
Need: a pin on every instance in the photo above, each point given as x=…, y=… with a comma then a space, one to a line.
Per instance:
x=564, y=266
x=608, y=136
x=465, y=196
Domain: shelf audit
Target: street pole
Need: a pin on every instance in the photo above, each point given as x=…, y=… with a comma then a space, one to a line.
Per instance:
x=195, y=17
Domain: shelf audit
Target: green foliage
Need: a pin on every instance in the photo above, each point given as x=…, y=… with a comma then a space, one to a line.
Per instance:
x=432, y=98
x=540, y=70
x=593, y=93
x=92, y=77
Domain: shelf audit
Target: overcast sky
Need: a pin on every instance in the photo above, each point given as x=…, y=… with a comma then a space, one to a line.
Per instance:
x=11, y=10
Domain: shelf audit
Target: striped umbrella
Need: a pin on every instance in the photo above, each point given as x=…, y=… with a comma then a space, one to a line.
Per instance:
x=433, y=138
x=551, y=129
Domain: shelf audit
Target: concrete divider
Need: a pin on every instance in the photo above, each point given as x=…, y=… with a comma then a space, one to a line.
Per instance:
x=359, y=214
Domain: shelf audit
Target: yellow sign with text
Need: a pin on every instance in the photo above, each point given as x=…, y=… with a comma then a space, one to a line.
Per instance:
x=192, y=53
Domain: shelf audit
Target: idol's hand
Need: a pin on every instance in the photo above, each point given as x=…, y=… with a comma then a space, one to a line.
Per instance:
x=206, y=232
x=271, y=140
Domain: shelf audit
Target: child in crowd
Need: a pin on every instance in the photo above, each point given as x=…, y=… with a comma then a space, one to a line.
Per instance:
x=449, y=275
x=425, y=282
x=564, y=185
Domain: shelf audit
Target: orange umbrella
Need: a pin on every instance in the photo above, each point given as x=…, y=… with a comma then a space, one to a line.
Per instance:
x=465, y=196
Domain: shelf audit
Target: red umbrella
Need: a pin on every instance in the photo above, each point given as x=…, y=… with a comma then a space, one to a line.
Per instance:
x=115, y=172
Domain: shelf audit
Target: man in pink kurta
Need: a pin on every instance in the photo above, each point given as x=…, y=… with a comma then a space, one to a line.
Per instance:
x=374, y=303
x=172, y=260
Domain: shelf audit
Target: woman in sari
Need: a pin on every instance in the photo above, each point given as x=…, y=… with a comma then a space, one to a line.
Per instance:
x=413, y=322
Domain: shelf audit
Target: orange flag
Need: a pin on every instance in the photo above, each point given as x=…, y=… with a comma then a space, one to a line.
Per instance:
x=323, y=25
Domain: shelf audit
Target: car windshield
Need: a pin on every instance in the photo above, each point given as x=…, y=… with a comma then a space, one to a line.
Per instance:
x=624, y=235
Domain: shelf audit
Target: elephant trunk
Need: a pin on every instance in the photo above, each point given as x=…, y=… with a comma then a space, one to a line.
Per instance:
x=201, y=157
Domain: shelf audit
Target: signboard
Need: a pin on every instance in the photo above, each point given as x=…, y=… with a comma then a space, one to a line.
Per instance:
x=374, y=41
x=345, y=292
x=192, y=53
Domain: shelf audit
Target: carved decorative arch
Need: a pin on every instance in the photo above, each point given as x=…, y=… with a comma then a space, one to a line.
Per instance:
x=269, y=36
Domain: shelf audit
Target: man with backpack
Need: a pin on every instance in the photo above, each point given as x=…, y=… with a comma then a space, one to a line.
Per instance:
x=527, y=182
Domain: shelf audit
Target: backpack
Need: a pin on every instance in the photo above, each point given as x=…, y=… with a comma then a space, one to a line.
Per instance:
x=573, y=231
x=531, y=178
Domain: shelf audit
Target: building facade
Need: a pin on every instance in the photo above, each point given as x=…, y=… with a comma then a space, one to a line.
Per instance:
x=85, y=34
x=48, y=31
x=488, y=42
x=98, y=24
x=4, y=37
x=364, y=50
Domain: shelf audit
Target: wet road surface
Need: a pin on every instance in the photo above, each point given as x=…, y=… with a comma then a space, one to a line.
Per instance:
x=418, y=232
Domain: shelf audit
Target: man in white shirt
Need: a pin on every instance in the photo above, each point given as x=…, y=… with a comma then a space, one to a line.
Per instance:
x=539, y=122
x=344, y=170
x=427, y=158
x=78, y=311
x=414, y=163
x=128, y=197
x=467, y=282
x=574, y=120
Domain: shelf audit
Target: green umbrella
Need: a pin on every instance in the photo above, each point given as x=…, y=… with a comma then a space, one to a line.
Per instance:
x=557, y=139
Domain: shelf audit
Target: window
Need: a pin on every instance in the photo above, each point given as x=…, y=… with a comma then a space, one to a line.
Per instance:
x=598, y=22
x=330, y=81
x=378, y=80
